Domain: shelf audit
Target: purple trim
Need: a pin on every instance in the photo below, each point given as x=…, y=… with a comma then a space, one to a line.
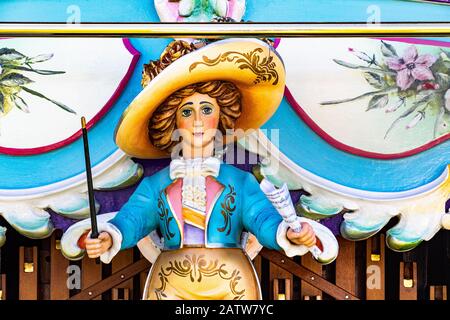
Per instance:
x=131, y=49
x=123, y=83
x=419, y=41
x=436, y=1
x=276, y=43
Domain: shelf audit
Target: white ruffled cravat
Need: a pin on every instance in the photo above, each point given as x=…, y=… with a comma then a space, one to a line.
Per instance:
x=193, y=172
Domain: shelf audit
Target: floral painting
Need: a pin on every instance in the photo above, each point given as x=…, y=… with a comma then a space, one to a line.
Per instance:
x=376, y=98
x=13, y=81
x=411, y=84
x=47, y=84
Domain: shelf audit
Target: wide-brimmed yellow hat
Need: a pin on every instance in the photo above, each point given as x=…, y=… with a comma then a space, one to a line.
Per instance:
x=252, y=65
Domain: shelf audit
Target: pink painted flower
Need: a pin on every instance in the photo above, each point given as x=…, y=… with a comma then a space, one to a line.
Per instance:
x=411, y=67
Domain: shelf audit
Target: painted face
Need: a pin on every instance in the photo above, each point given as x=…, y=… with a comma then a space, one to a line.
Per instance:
x=198, y=119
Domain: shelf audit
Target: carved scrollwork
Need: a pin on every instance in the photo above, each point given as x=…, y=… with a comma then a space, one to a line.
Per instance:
x=264, y=69
x=228, y=207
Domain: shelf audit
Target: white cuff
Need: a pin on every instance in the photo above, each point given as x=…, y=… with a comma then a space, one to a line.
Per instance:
x=151, y=246
x=326, y=237
x=116, y=236
x=289, y=248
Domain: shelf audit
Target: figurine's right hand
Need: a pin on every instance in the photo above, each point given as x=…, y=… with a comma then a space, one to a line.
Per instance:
x=96, y=247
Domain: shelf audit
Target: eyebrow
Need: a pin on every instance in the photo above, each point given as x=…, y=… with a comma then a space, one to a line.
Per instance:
x=202, y=102
x=187, y=103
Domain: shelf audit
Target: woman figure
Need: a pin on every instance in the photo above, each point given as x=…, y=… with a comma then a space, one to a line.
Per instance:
x=200, y=205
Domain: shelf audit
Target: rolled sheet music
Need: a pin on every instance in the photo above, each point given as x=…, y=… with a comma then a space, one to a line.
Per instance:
x=281, y=200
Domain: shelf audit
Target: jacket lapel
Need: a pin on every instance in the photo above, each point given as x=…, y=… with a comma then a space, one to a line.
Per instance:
x=214, y=190
x=173, y=197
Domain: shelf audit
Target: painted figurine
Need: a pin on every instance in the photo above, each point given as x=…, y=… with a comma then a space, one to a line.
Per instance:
x=200, y=205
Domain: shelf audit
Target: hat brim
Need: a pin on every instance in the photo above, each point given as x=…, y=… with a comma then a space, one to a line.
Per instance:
x=252, y=65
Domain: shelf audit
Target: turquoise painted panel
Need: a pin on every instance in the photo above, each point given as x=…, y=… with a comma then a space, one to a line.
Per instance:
x=307, y=149
x=257, y=10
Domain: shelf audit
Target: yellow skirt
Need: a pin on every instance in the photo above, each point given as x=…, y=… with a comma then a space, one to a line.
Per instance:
x=202, y=274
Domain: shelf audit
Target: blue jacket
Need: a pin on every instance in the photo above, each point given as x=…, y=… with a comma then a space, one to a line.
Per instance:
x=238, y=204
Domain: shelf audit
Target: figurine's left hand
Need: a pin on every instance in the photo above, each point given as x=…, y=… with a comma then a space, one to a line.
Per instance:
x=306, y=236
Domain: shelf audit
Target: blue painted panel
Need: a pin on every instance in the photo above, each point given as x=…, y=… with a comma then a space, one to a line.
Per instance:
x=309, y=150
x=258, y=10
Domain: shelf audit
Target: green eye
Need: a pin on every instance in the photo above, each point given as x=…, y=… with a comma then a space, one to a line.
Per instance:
x=186, y=113
x=207, y=110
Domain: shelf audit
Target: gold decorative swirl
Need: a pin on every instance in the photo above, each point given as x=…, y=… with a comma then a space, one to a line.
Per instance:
x=196, y=268
x=263, y=68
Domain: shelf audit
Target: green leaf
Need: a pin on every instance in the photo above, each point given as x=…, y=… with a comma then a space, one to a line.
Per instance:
x=367, y=94
x=447, y=53
x=374, y=80
x=40, y=95
x=21, y=104
x=40, y=58
x=346, y=64
x=442, y=79
x=378, y=102
x=30, y=69
x=15, y=79
x=2, y=103
x=363, y=68
x=446, y=64
x=7, y=54
x=388, y=50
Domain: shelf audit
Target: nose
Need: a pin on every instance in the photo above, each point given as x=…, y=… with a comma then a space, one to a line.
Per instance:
x=198, y=123
x=198, y=118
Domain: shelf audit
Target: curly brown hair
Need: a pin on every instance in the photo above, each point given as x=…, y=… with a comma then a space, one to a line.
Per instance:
x=163, y=121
